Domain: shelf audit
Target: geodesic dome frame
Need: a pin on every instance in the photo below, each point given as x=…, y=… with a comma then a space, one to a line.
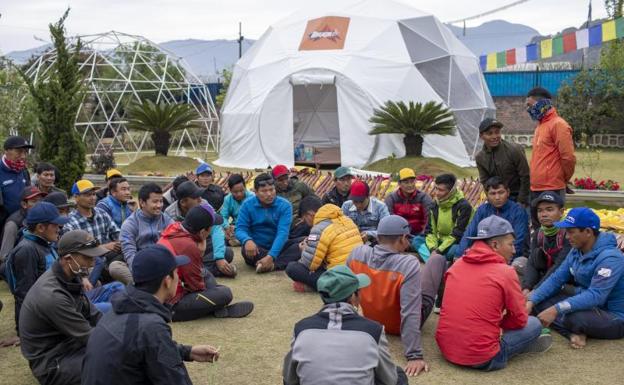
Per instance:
x=121, y=69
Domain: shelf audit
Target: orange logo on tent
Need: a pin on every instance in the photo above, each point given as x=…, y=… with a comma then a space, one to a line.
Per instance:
x=323, y=33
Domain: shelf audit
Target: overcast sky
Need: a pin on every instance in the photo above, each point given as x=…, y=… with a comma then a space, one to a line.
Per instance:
x=163, y=20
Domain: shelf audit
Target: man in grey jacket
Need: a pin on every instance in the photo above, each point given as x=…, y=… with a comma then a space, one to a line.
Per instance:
x=337, y=345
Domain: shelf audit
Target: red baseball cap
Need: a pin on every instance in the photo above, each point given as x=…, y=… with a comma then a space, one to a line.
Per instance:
x=359, y=191
x=279, y=170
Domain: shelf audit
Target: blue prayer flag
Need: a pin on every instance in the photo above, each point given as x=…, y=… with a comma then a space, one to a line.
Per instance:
x=531, y=52
x=595, y=35
x=483, y=62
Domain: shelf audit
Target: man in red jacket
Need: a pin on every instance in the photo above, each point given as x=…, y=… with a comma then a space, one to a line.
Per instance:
x=483, y=320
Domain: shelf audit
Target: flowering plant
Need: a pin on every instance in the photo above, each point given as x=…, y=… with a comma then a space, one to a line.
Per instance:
x=591, y=184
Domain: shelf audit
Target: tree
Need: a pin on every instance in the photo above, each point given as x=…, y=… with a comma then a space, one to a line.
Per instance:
x=161, y=120
x=227, y=78
x=17, y=108
x=614, y=8
x=57, y=100
x=413, y=120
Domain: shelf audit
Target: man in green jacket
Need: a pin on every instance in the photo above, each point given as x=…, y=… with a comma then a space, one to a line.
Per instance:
x=448, y=219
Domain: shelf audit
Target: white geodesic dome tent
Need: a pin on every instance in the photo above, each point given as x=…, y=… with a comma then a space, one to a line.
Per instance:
x=313, y=79
x=121, y=69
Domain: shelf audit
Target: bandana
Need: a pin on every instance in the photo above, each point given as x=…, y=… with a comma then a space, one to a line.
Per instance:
x=14, y=165
x=549, y=231
x=539, y=109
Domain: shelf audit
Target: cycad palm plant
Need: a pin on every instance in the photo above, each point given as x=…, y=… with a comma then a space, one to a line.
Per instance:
x=161, y=120
x=414, y=120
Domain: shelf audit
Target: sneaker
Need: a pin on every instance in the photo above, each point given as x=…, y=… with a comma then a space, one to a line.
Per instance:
x=300, y=287
x=236, y=310
x=541, y=345
x=436, y=309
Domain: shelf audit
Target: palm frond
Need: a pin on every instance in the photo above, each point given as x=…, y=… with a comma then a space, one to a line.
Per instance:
x=149, y=116
x=412, y=119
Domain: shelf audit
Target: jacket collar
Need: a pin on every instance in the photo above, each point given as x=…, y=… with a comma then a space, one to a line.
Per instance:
x=139, y=301
x=35, y=238
x=369, y=208
x=550, y=114
x=116, y=202
x=338, y=307
x=74, y=285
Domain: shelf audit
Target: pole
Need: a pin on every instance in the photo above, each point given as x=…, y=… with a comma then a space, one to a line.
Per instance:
x=240, y=40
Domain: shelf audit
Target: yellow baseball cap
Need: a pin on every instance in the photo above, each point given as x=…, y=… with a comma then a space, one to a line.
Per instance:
x=406, y=173
x=82, y=186
x=112, y=172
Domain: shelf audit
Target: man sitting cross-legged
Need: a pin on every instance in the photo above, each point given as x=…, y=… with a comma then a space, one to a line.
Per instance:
x=364, y=210
x=483, y=321
x=596, y=309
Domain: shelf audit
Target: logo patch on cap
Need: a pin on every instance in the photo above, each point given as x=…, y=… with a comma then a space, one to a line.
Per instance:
x=570, y=219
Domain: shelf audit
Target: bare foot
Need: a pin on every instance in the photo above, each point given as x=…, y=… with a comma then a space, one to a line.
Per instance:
x=578, y=341
x=10, y=341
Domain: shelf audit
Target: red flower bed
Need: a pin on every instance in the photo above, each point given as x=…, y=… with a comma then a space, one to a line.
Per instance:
x=590, y=184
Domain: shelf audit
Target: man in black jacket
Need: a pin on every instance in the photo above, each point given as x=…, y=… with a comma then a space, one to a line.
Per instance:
x=342, y=185
x=132, y=344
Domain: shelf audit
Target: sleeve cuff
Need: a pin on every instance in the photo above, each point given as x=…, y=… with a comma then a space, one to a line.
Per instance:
x=563, y=307
x=185, y=352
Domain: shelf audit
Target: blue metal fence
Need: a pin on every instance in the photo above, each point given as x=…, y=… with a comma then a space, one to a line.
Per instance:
x=519, y=83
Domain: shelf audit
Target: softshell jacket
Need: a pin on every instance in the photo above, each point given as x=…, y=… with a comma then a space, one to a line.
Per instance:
x=414, y=208
x=394, y=297
x=331, y=239
x=133, y=345
x=448, y=221
x=368, y=219
x=545, y=257
x=512, y=212
x=482, y=296
x=553, y=160
x=118, y=211
x=507, y=161
x=294, y=193
x=139, y=231
x=231, y=207
x=12, y=184
x=598, y=277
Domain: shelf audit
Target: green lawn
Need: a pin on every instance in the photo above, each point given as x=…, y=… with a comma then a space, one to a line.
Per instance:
x=252, y=348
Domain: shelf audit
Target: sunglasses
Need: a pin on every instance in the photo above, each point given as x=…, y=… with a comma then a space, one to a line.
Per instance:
x=87, y=245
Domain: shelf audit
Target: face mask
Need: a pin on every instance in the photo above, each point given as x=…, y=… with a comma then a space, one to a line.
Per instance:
x=82, y=271
x=539, y=109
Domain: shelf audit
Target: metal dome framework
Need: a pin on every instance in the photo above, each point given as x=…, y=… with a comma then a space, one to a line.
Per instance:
x=121, y=69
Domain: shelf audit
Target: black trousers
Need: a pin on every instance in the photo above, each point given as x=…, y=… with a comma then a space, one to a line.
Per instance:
x=203, y=303
x=211, y=264
x=64, y=370
x=300, y=273
x=290, y=253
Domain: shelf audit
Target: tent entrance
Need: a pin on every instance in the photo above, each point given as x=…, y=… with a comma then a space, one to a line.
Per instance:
x=316, y=132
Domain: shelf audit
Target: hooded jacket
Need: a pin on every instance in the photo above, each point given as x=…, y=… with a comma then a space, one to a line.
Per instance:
x=331, y=239
x=598, y=277
x=448, y=221
x=118, y=211
x=133, y=345
x=231, y=207
x=139, y=231
x=414, y=208
x=482, y=296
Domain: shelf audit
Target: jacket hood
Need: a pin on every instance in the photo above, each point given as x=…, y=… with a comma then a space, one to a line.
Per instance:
x=481, y=253
x=454, y=197
x=134, y=300
x=176, y=230
x=604, y=241
x=328, y=211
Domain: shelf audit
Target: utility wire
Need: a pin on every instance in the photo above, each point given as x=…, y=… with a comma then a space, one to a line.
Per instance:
x=488, y=12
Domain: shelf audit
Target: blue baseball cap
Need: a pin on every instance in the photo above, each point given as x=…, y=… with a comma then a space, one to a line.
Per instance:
x=45, y=212
x=154, y=262
x=581, y=218
x=202, y=168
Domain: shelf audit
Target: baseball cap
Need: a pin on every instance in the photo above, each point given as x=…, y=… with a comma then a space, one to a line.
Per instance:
x=30, y=192
x=339, y=283
x=489, y=122
x=112, y=173
x=279, y=170
x=202, y=168
x=359, y=191
x=58, y=199
x=82, y=186
x=201, y=217
x=45, y=212
x=406, y=173
x=155, y=261
x=493, y=226
x=548, y=196
x=341, y=172
x=16, y=142
x=188, y=189
x=393, y=225
x=580, y=217
x=81, y=242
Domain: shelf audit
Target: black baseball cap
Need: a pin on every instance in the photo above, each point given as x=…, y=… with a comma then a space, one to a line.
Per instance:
x=201, y=217
x=188, y=189
x=548, y=196
x=154, y=262
x=81, y=242
x=16, y=142
x=58, y=199
x=489, y=122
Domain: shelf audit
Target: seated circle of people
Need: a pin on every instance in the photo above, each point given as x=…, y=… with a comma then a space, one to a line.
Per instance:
x=337, y=345
x=343, y=177
x=595, y=308
x=14, y=224
x=364, y=210
x=290, y=189
x=231, y=206
x=401, y=295
x=116, y=204
x=46, y=175
x=263, y=226
x=483, y=320
x=198, y=294
x=331, y=240
x=132, y=344
x=212, y=193
x=13, y=175
x=57, y=318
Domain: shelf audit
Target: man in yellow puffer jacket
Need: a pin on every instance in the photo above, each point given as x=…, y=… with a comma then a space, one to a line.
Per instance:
x=330, y=242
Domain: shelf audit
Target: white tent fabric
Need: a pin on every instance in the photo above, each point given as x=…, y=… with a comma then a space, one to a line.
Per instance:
x=283, y=94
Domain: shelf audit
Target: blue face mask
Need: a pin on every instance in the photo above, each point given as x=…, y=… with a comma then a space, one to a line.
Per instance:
x=539, y=109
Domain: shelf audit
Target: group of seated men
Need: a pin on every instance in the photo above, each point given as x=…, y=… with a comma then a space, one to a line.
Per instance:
x=97, y=276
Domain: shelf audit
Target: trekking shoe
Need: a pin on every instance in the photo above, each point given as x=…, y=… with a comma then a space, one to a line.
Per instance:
x=236, y=310
x=541, y=345
x=300, y=287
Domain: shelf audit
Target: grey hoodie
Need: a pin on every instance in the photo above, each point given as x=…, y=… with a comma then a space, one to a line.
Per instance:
x=140, y=231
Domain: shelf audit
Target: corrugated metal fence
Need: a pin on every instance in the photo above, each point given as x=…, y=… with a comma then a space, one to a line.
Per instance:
x=519, y=83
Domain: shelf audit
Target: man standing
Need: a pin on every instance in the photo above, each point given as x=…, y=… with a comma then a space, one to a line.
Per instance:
x=289, y=189
x=337, y=345
x=56, y=317
x=212, y=193
x=596, y=309
x=13, y=175
x=504, y=160
x=364, y=210
x=342, y=184
x=483, y=321
x=132, y=344
x=116, y=203
x=46, y=178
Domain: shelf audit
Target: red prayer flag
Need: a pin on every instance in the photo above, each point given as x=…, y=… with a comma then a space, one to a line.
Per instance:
x=569, y=42
x=511, y=56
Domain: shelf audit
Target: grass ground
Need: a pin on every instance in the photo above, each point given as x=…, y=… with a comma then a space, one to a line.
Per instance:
x=252, y=348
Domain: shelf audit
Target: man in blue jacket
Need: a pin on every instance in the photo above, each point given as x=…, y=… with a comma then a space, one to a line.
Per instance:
x=13, y=175
x=498, y=203
x=116, y=203
x=263, y=225
x=596, y=309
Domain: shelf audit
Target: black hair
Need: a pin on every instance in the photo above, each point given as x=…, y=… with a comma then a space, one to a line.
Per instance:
x=387, y=239
x=43, y=167
x=235, y=179
x=494, y=182
x=596, y=232
x=153, y=285
x=147, y=189
x=178, y=181
x=446, y=179
x=539, y=93
x=309, y=203
x=31, y=227
x=262, y=178
x=112, y=184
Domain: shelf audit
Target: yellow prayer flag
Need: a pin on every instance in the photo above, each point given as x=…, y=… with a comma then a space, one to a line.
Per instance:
x=491, y=61
x=546, y=48
x=608, y=31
